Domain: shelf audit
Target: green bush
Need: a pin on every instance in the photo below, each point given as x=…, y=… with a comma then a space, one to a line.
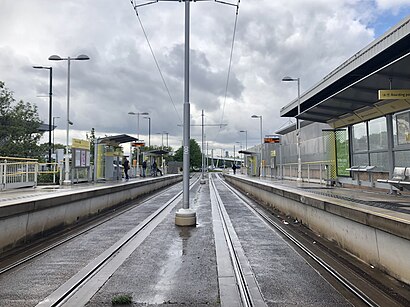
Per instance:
x=122, y=299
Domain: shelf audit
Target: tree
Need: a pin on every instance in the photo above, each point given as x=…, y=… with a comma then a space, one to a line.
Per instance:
x=195, y=154
x=19, y=123
x=91, y=138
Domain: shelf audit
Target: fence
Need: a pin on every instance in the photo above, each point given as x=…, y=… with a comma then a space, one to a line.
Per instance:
x=317, y=172
x=23, y=172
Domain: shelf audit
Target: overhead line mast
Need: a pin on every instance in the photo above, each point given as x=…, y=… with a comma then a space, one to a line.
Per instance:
x=185, y=216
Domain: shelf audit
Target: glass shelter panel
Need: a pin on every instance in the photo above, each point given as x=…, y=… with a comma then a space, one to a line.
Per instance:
x=378, y=134
x=402, y=158
x=342, y=152
x=402, y=128
x=380, y=159
x=361, y=159
x=359, y=133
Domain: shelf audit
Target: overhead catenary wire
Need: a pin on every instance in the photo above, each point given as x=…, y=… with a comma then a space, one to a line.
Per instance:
x=230, y=57
x=134, y=5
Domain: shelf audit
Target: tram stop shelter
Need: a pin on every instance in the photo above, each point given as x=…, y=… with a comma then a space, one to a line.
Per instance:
x=156, y=155
x=361, y=110
x=108, y=155
x=252, y=162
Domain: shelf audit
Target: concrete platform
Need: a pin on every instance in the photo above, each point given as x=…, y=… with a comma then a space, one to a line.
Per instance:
x=372, y=225
x=179, y=266
x=30, y=213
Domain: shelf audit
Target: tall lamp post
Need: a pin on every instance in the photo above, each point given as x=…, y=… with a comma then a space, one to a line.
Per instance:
x=149, y=130
x=54, y=118
x=81, y=57
x=138, y=120
x=50, y=107
x=166, y=133
x=246, y=147
x=289, y=79
x=162, y=139
x=260, y=117
x=138, y=136
x=240, y=148
x=246, y=138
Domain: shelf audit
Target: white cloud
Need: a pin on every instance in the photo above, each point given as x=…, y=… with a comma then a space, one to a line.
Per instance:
x=305, y=39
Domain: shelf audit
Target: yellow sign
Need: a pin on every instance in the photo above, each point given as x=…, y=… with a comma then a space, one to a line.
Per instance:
x=273, y=153
x=80, y=144
x=394, y=94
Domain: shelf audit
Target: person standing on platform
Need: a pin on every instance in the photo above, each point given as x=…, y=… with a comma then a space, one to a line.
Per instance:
x=126, y=165
x=144, y=168
x=234, y=168
x=154, y=168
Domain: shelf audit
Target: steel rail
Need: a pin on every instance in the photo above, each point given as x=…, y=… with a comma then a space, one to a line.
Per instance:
x=238, y=271
x=77, y=234
x=342, y=280
x=78, y=281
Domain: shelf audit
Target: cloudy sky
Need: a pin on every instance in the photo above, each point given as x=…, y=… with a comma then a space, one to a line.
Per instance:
x=297, y=38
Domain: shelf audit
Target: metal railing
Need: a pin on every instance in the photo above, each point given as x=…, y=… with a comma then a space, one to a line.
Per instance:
x=23, y=172
x=317, y=172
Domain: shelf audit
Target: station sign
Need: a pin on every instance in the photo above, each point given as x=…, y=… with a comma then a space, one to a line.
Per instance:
x=271, y=139
x=80, y=144
x=394, y=94
x=138, y=144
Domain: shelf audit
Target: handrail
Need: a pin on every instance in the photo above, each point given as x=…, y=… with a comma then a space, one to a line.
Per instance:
x=24, y=172
x=18, y=159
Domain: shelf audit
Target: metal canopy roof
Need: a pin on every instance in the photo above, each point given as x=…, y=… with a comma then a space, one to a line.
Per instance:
x=349, y=94
x=157, y=152
x=115, y=140
x=247, y=152
x=44, y=127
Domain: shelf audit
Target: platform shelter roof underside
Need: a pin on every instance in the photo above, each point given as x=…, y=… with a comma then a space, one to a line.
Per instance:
x=349, y=94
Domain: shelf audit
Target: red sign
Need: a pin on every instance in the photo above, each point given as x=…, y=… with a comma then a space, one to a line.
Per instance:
x=138, y=144
x=271, y=139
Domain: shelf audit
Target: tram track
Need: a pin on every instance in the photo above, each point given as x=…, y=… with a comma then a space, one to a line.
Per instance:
x=64, y=237
x=366, y=291
x=79, y=289
x=248, y=290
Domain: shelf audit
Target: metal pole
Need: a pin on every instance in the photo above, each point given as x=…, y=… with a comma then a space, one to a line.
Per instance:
x=67, y=158
x=138, y=126
x=186, y=113
x=50, y=114
x=149, y=131
x=203, y=148
x=54, y=117
x=261, y=146
x=298, y=136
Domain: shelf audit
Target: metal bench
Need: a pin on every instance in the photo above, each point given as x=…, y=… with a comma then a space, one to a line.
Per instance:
x=362, y=168
x=400, y=179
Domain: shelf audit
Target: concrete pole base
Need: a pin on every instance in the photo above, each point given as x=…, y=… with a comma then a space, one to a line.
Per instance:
x=185, y=217
x=67, y=182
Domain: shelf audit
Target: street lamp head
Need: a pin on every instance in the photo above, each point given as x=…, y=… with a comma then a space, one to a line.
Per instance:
x=242, y=130
x=286, y=79
x=82, y=57
x=132, y=113
x=144, y=113
x=55, y=57
x=256, y=116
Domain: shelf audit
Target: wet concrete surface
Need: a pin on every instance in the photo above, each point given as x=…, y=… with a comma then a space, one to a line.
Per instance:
x=284, y=277
x=173, y=266
x=36, y=279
